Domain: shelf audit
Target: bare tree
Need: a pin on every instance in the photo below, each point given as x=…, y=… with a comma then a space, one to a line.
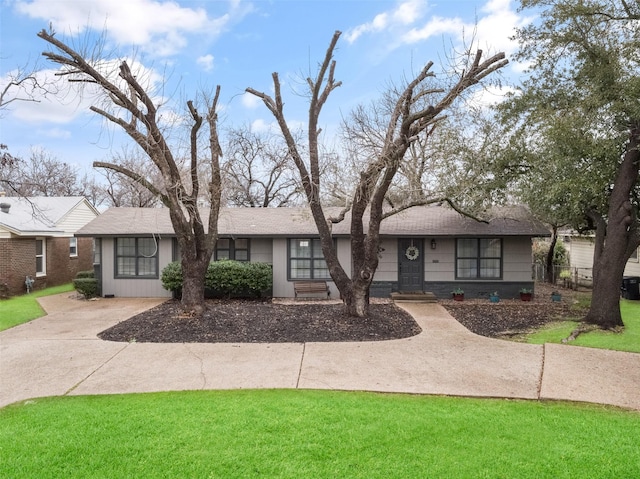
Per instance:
x=129, y=106
x=42, y=174
x=24, y=85
x=259, y=171
x=7, y=160
x=416, y=108
x=20, y=85
x=121, y=190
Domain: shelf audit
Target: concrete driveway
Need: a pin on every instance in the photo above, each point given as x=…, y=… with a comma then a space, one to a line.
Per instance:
x=60, y=354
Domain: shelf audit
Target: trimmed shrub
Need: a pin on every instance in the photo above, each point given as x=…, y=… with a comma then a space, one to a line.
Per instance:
x=87, y=287
x=259, y=277
x=86, y=284
x=172, y=277
x=85, y=274
x=229, y=277
x=226, y=278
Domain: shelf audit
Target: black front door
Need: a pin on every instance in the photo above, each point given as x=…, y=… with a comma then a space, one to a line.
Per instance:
x=410, y=265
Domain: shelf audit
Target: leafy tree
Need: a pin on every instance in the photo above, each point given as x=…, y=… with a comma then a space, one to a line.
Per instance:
x=578, y=129
x=412, y=111
x=128, y=105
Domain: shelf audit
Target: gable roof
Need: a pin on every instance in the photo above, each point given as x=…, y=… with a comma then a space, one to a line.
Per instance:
x=290, y=222
x=39, y=216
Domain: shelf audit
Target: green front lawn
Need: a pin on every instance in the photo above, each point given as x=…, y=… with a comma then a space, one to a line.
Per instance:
x=627, y=340
x=20, y=309
x=314, y=434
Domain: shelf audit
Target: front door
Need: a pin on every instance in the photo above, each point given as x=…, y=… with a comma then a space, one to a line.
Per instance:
x=410, y=264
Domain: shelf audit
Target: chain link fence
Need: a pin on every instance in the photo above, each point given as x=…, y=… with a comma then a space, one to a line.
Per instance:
x=565, y=276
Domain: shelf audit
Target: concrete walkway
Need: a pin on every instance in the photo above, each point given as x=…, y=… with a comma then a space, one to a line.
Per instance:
x=60, y=354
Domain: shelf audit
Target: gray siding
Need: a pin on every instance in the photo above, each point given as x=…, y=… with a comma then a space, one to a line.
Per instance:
x=134, y=287
x=517, y=259
x=439, y=263
x=282, y=287
x=262, y=250
x=439, y=268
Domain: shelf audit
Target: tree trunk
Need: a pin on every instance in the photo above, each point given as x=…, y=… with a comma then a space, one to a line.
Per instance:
x=356, y=299
x=550, y=273
x=409, y=119
x=193, y=274
x=615, y=238
x=605, y=298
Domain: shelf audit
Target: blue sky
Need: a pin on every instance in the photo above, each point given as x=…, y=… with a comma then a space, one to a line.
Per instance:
x=194, y=44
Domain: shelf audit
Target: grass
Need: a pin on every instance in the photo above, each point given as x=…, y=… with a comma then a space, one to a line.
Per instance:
x=626, y=340
x=314, y=434
x=20, y=309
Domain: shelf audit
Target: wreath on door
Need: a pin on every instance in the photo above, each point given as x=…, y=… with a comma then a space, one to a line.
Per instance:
x=412, y=253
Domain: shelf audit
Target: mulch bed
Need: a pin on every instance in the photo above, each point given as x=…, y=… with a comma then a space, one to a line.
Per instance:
x=253, y=321
x=256, y=321
x=511, y=319
x=507, y=318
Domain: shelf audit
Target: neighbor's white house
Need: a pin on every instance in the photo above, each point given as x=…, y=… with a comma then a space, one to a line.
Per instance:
x=37, y=241
x=430, y=248
x=581, y=249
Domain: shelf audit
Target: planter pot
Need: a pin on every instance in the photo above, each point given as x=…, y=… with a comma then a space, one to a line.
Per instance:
x=494, y=299
x=556, y=298
x=526, y=296
x=458, y=297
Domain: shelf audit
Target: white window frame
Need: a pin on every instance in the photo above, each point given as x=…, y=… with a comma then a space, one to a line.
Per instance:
x=73, y=247
x=43, y=256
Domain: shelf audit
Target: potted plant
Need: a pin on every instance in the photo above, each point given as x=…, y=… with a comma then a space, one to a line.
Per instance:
x=526, y=294
x=458, y=294
x=556, y=297
x=494, y=297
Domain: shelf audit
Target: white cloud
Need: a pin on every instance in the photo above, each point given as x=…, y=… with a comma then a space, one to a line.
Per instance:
x=409, y=12
x=492, y=30
x=65, y=101
x=435, y=26
x=206, y=62
x=250, y=101
x=160, y=27
x=52, y=105
x=405, y=13
x=261, y=126
x=496, y=23
x=490, y=95
x=58, y=133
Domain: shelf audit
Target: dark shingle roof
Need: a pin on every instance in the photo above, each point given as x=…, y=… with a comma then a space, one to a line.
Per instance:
x=272, y=222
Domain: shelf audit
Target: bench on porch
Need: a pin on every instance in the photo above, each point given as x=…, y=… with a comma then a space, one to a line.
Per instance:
x=311, y=287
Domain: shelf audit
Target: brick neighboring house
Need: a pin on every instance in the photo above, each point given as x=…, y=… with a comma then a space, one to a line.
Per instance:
x=37, y=241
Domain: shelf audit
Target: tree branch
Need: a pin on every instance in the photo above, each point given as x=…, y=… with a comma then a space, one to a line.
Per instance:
x=135, y=177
